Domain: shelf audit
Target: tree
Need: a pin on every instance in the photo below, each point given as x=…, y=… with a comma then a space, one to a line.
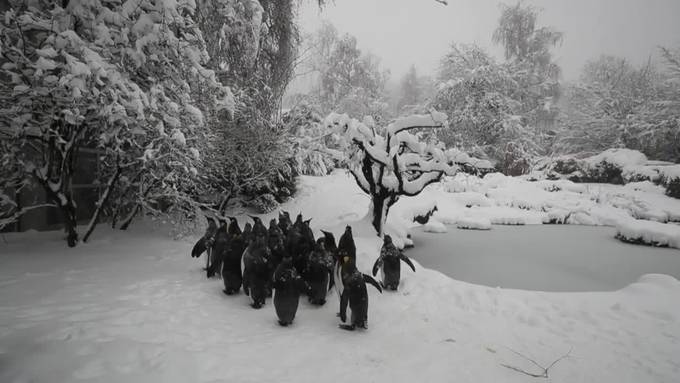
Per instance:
x=527, y=47
x=479, y=94
x=393, y=164
x=110, y=76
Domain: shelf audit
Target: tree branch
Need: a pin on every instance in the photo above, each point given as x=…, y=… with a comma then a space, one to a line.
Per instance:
x=545, y=370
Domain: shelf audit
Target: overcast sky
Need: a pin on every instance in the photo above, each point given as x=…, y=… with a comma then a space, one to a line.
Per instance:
x=405, y=32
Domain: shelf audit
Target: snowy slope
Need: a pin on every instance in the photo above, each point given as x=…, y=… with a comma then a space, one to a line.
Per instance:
x=134, y=307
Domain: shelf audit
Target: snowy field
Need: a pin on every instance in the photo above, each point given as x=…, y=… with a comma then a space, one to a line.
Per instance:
x=134, y=307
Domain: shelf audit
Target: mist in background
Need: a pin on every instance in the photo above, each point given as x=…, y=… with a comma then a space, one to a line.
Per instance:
x=419, y=32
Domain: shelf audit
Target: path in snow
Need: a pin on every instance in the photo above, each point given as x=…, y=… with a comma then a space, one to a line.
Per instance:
x=542, y=257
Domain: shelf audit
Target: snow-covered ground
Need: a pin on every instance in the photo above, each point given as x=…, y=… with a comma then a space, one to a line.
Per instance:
x=134, y=307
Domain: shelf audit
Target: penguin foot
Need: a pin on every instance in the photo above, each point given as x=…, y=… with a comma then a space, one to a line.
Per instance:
x=229, y=291
x=284, y=323
x=348, y=327
x=257, y=306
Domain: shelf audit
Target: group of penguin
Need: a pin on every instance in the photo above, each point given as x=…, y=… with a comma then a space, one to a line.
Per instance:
x=285, y=261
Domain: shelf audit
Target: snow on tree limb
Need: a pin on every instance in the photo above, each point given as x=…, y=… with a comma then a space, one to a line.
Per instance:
x=394, y=164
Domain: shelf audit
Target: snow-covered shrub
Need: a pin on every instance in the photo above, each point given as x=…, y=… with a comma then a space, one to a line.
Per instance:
x=265, y=203
x=673, y=188
x=309, y=140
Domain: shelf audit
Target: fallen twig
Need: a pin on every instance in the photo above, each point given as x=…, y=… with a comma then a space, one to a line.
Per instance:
x=545, y=370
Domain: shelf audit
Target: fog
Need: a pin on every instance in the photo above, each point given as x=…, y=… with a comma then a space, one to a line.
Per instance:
x=406, y=32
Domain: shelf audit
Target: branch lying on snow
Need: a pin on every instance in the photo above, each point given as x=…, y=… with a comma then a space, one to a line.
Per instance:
x=13, y=217
x=545, y=370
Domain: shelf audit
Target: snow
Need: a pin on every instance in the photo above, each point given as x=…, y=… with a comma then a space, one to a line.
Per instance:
x=478, y=223
x=179, y=138
x=133, y=306
x=434, y=226
x=621, y=157
x=649, y=232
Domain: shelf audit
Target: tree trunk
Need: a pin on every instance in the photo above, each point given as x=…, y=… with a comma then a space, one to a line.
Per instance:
x=103, y=201
x=70, y=222
x=380, y=207
x=127, y=221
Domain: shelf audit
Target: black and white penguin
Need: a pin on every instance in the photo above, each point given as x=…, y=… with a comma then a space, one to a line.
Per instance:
x=355, y=295
x=247, y=233
x=389, y=263
x=288, y=285
x=284, y=222
x=219, y=246
x=231, y=262
x=276, y=241
x=205, y=242
x=258, y=227
x=257, y=271
x=332, y=249
x=297, y=244
x=346, y=248
x=318, y=273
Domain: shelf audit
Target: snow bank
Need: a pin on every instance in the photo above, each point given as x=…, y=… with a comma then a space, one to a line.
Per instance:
x=434, y=226
x=478, y=223
x=620, y=157
x=649, y=233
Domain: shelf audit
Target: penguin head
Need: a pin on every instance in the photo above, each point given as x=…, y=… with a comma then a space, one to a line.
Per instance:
x=247, y=228
x=272, y=224
x=348, y=230
x=387, y=239
x=233, y=226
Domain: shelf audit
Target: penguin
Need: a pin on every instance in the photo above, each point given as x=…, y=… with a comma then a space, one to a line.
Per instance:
x=256, y=271
x=355, y=295
x=346, y=248
x=205, y=242
x=389, y=264
x=258, y=226
x=231, y=261
x=318, y=273
x=284, y=222
x=247, y=233
x=276, y=241
x=332, y=249
x=288, y=285
x=295, y=244
x=219, y=246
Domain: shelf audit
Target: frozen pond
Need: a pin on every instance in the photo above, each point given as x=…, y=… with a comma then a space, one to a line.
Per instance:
x=541, y=257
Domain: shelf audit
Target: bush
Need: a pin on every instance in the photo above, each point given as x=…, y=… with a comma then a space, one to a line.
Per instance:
x=673, y=188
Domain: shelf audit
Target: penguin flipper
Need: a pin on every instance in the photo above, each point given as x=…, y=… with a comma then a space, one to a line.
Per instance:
x=369, y=279
x=347, y=327
x=331, y=281
x=198, y=249
x=377, y=265
x=407, y=261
